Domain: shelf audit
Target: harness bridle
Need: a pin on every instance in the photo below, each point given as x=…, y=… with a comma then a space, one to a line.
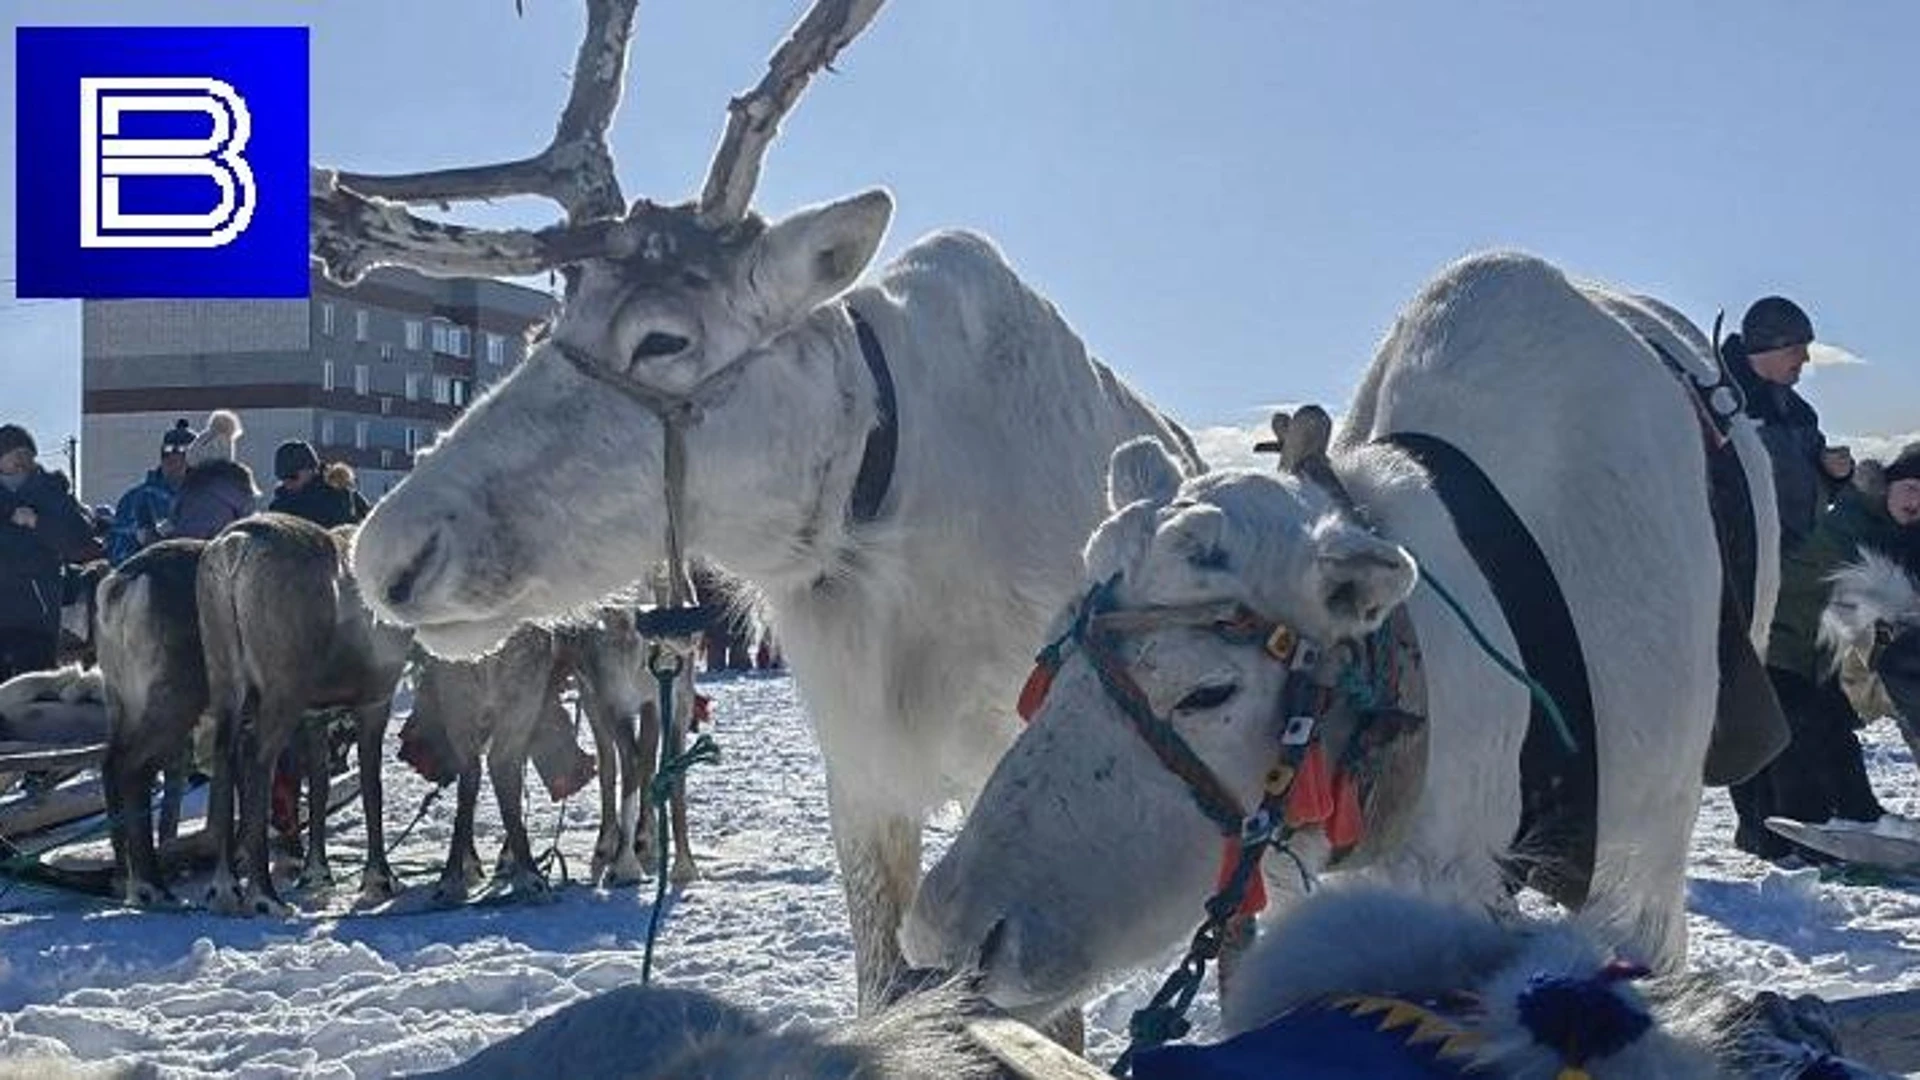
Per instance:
x=1300, y=790
x=677, y=412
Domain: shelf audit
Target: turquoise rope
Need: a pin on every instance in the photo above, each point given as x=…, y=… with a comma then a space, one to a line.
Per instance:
x=1514, y=670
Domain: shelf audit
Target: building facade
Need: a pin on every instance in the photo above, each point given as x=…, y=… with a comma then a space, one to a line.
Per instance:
x=369, y=375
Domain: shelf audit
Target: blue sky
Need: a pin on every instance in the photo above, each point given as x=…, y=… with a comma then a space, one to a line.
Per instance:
x=1229, y=199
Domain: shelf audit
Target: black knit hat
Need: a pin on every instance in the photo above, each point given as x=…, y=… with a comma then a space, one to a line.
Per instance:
x=1904, y=467
x=178, y=438
x=292, y=456
x=13, y=437
x=1775, y=322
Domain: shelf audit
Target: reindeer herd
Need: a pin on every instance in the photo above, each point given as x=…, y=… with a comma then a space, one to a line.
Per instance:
x=252, y=639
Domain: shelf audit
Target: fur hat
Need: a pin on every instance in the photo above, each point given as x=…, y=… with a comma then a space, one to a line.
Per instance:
x=1904, y=467
x=292, y=456
x=178, y=438
x=339, y=474
x=14, y=437
x=1775, y=322
x=216, y=442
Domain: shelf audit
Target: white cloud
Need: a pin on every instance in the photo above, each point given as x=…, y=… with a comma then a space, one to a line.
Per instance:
x=1882, y=448
x=1821, y=354
x=1232, y=447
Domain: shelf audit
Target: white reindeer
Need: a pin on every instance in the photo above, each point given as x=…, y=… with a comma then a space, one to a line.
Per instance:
x=1085, y=855
x=909, y=602
x=1874, y=602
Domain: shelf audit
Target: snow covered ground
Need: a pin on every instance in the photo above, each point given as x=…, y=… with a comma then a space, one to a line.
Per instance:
x=335, y=995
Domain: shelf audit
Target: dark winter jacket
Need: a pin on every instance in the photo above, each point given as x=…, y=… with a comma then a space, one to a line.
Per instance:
x=1857, y=520
x=31, y=558
x=214, y=494
x=1790, y=428
x=143, y=515
x=318, y=502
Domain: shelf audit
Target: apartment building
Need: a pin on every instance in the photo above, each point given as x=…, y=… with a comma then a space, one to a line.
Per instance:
x=369, y=374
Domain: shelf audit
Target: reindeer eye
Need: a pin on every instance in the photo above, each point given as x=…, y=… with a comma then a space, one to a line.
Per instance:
x=657, y=344
x=1207, y=697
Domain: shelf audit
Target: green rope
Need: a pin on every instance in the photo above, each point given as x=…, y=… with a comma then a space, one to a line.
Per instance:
x=1514, y=670
x=672, y=769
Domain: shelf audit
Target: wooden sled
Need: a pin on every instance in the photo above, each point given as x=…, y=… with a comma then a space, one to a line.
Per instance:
x=1892, y=843
x=1878, y=1030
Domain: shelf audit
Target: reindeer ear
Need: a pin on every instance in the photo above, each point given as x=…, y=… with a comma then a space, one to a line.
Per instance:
x=1362, y=578
x=1195, y=534
x=1141, y=469
x=812, y=255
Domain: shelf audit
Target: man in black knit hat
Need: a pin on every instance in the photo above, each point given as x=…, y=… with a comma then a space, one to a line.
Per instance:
x=1766, y=357
x=41, y=526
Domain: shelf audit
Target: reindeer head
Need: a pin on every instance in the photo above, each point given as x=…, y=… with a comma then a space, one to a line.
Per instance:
x=1086, y=853
x=547, y=495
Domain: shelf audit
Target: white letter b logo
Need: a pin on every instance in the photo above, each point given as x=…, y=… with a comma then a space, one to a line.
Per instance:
x=106, y=158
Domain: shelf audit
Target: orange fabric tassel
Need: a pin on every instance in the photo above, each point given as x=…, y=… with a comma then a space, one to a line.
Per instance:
x=1310, y=801
x=1346, y=826
x=1034, y=693
x=1254, y=900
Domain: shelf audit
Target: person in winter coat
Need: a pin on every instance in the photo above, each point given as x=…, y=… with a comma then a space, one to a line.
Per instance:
x=1820, y=775
x=145, y=513
x=41, y=526
x=1766, y=358
x=303, y=493
x=217, y=490
x=339, y=475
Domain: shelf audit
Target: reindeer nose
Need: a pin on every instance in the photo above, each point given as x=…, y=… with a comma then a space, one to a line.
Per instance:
x=418, y=573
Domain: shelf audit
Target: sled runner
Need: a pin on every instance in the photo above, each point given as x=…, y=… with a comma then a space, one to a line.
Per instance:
x=1892, y=843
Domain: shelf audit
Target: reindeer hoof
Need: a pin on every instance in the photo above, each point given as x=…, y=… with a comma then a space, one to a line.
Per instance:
x=685, y=871
x=377, y=887
x=451, y=891
x=629, y=871
x=224, y=897
x=316, y=876
x=271, y=907
x=147, y=894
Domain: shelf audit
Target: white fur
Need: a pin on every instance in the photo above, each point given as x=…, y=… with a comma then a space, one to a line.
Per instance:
x=1090, y=856
x=908, y=637
x=1868, y=594
x=216, y=442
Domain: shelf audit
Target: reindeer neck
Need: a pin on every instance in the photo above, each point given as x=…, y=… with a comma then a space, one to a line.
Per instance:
x=822, y=407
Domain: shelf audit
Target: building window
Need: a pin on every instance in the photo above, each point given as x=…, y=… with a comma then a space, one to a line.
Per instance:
x=326, y=374
x=413, y=440
x=386, y=458
x=326, y=319
x=386, y=350
x=359, y=325
x=413, y=386
x=413, y=334
x=326, y=431
x=442, y=390
x=360, y=379
x=359, y=434
x=459, y=392
x=451, y=340
x=386, y=405
x=496, y=349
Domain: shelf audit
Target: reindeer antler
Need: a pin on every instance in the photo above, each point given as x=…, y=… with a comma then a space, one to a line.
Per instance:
x=359, y=222
x=753, y=119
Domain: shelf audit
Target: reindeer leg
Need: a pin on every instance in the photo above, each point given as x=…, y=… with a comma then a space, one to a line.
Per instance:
x=129, y=791
x=223, y=893
x=452, y=888
x=377, y=882
x=507, y=765
x=638, y=810
x=311, y=738
x=606, y=846
x=173, y=791
x=628, y=866
x=879, y=853
x=685, y=870
x=266, y=740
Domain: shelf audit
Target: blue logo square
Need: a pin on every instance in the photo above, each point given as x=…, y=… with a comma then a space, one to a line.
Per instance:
x=161, y=162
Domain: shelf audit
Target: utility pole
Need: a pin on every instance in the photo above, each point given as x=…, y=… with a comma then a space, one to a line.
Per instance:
x=71, y=449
